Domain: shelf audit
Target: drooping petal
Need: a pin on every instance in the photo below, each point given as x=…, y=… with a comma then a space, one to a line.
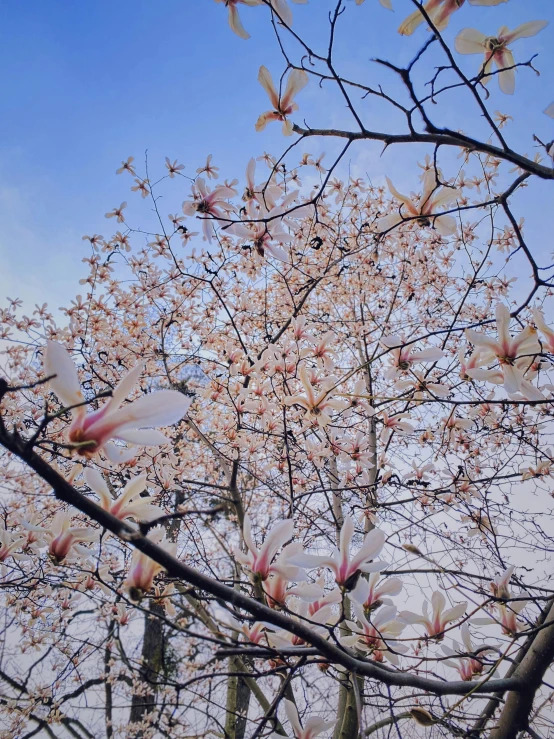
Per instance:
x=506, y=77
x=292, y=715
x=235, y=22
x=265, y=118
x=162, y=408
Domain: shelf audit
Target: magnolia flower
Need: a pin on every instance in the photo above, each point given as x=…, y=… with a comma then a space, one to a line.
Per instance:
x=467, y=667
x=496, y=51
x=234, y=19
x=507, y=350
x=65, y=539
x=143, y=570
x=402, y=357
x=432, y=198
x=299, y=611
x=283, y=105
x=313, y=726
x=209, y=204
x=439, y=12
x=266, y=194
x=369, y=592
x=259, y=561
x=315, y=404
x=396, y=424
x=173, y=168
x=500, y=588
x=118, y=212
x=372, y=636
x=347, y=570
x=263, y=233
x=91, y=432
x=129, y=504
x=439, y=619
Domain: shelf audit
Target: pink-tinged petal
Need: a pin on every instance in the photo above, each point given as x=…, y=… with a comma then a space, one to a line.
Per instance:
x=311, y=561
x=279, y=534
x=530, y=392
x=96, y=482
x=392, y=342
x=276, y=252
x=297, y=80
x=531, y=28
x=487, y=2
x=266, y=81
x=494, y=376
x=118, y=455
x=550, y=110
x=470, y=41
x=386, y=4
x=360, y=593
x=371, y=567
x=235, y=22
x=265, y=118
x=391, y=586
x=506, y=77
x=162, y=408
x=445, y=196
x=65, y=385
x=146, y=437
x=478, y=339
x=438, y=601
x=346, y=534
x=409, y=25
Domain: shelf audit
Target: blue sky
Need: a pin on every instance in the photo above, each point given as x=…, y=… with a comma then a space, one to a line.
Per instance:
x=87, y=84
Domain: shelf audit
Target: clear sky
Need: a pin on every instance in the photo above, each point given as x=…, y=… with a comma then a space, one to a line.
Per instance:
x=86, y=84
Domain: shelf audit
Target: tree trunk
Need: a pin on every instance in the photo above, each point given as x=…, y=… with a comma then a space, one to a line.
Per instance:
x=143, y=704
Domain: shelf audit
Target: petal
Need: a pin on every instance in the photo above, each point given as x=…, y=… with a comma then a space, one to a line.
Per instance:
x=162, y=408
x=236, y=24
x=264, y=119
x=398, y=195
x=133, y=488
x=445, y=225
x=279, y=534
x=409, y=25
x=531, y=28
x=298, y=79
x=433, y=354
x=292, y=715
x=65, y=385
x=507, y=77
x=145, y=437
x=96, y=482
x=265, y=80
x=126, y=384
x=550, y=110
x=470, y=41
x=452, y=614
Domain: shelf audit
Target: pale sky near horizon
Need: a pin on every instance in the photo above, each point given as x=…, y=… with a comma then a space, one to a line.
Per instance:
x=88, y=84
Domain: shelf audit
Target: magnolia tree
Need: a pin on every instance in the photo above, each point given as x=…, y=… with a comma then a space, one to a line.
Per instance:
x=344, y=525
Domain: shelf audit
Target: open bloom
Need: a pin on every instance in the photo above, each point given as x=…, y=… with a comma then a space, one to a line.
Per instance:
x=347, y=569
x=373, y=636
x=283, y=105
x=9, y=542
x=313, y=726
x=403, y=357
x=496, y=51
x=515, y=355
x=91, y=432
x=129, y=504
x=259, y=561
x=439, y=619
x=467, y=667
x=208, y=204
x=316, y=404
x=263, y=234
x=65, y=540
x=235, y=22
x=143, y=570
x=439, y=12
x=370, y=593
x=424, y=211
